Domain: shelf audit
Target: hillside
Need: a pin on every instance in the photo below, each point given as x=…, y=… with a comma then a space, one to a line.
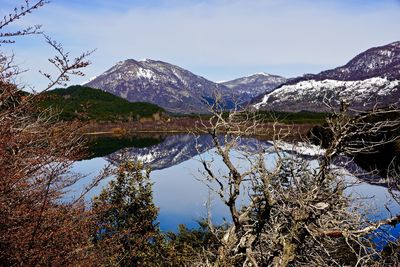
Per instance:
x=166, y=85
x=371, y=79
x=85, y=103
x=251, y=86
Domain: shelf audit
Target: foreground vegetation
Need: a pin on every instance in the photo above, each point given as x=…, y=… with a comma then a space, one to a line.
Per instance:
x=300, y=117
x=384, y=157
x=296, y=214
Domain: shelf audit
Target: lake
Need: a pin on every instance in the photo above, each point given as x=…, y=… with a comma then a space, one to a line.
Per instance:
x=179, y=188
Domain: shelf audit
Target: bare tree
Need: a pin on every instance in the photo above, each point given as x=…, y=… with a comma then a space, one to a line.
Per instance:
x=36, y=153
x=297, y=213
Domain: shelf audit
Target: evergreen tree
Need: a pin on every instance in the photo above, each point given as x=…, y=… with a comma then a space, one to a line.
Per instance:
x=124, y=218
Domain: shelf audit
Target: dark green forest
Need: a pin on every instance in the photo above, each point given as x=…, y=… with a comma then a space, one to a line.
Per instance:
x=85, y=103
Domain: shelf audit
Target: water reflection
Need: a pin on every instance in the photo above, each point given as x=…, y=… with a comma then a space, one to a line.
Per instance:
x=173, y=150
x=104, y=145
x=181, y=194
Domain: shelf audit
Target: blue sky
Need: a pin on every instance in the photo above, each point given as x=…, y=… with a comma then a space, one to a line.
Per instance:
x=218, y=39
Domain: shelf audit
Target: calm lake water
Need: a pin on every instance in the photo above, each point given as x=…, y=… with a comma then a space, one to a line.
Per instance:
x=179, y=188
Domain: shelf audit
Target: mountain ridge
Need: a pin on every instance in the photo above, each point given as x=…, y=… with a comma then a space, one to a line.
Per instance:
x=368, y=80
x=373, y=62
x=167, y=85
x=255, y=84
x=176, y=89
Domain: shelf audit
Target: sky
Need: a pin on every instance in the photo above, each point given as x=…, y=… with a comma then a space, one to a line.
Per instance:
x=217, y=39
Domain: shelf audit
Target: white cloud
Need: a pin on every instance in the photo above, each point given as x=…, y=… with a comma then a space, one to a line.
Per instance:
x=225, y=36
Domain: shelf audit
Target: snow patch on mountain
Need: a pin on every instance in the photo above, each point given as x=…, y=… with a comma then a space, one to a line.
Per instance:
x=261, y=73
x=169, y=86
x=313, y=91
x=144, y=73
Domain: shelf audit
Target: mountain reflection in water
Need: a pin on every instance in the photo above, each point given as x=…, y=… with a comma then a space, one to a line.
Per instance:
x=175, y=149
x=178, y=188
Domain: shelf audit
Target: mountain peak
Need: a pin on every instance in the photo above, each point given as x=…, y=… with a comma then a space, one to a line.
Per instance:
x=169, y=86
x=255, y=84
x=381, y=61
x=261, y=73
x=395, y=43
x=372, y=78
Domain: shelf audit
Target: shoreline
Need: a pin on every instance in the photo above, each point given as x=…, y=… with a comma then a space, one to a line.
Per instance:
x=266, y=131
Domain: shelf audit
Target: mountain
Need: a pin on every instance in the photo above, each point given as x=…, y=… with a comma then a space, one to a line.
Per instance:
x=94, y=104
x=175, y=149
x=169, y=86
x=251, y=86
x=370, y=79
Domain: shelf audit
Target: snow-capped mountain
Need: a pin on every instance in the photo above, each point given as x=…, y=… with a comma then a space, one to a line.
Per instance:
x=172, y=151
x=370, y=79
x=178, y=148
x=251, y=86
x=169, y=86
x=175, y=149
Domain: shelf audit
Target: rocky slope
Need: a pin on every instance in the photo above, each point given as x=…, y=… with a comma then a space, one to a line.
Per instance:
x=251, y=86
x=370, y=79
x=169, y=86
